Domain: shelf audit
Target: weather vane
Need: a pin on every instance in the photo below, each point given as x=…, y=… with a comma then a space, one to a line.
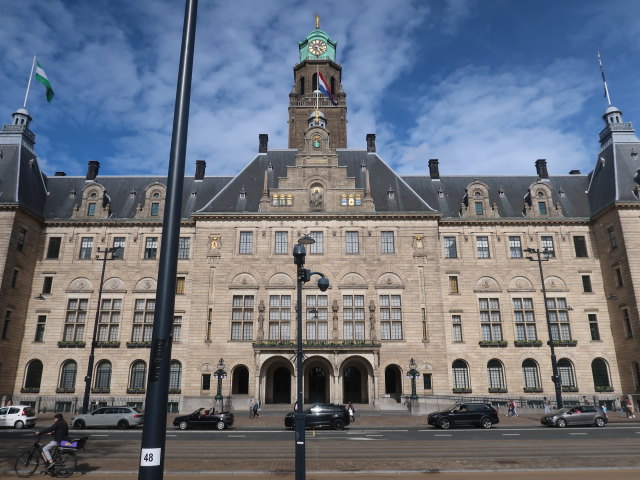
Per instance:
x=317, y=21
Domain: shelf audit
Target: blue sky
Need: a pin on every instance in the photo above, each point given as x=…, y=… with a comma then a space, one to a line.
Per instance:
x=486, y=86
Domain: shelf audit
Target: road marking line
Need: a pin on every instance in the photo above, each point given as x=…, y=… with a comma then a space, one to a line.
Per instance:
x=443, y=435
x=171, y=435
x=513, y=434
x=376, y=435
x=94, y=435
x=577, y=434
x=236, y=436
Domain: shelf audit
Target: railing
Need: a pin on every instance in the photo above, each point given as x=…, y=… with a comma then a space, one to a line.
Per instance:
x=311, y=102
x=315, y=344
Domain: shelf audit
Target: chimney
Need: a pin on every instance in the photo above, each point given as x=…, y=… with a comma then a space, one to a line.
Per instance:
x=201, y=165
x=541, y=168
x=434, y=172
x=574, y=172
x=263, y=139
x=92, y=170
x=371, y=142
x=60, y=174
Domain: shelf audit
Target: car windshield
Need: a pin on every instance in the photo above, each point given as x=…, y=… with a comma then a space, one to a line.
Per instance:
x=562, y=411
x=453, y=406
x=138, y=410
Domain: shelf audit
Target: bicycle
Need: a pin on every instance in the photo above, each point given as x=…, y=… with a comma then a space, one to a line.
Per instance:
x=64, y=458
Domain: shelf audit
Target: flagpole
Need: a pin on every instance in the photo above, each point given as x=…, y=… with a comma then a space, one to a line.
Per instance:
x=33, y=66
x=604, y=80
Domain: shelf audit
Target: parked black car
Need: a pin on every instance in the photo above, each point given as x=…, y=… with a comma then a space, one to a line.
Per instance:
x=465, y=414
x=577, y=415
x=203, y=418
x=322, y=415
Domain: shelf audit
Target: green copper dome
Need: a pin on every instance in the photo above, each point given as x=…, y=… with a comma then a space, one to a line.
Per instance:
x=317, y=46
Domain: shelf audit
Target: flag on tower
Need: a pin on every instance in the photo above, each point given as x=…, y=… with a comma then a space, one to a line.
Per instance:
x=41, y=76
x=323, y=86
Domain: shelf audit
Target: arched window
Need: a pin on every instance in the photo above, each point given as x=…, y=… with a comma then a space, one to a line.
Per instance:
x=314, y=81
x=530, y=374
x=460, y=372
x=333, y=85
x=103, y=375
x=138, y=375
x=175, y=375
x=566, y=373
x=495, y=371
x=240, y=380
x=600, y=371
x=34, y=374
x=301, y=85
x=68, y=374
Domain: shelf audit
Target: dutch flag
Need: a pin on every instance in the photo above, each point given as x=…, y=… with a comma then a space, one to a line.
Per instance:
x=323, y=86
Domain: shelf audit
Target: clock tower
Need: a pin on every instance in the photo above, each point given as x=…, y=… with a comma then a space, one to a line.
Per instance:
x=317, y=55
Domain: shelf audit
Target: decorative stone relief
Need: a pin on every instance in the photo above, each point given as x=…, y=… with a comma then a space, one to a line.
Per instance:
x=215, y=243
x=419, y=249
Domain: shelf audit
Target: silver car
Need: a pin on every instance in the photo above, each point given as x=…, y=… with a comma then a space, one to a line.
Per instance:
x=109, y=417
x=578, y=415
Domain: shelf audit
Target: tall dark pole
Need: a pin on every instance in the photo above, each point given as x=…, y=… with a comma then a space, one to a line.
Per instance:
x=155, y=425
x=87, y=378
x=299, y=253
x=557, y=383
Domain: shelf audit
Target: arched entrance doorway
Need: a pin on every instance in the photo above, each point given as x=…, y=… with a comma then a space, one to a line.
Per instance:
x=318, y=385
x=392, y=382
x=352, y=385
x=276, y=377
x=240, y=380
x=281, y=385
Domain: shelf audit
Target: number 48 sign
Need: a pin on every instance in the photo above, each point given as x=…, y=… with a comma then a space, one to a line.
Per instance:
x=150, y=457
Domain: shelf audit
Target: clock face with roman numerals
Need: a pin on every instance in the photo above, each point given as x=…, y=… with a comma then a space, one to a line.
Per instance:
x=317, y=47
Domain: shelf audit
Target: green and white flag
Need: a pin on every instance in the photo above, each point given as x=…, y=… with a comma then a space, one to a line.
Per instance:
x=41, y=76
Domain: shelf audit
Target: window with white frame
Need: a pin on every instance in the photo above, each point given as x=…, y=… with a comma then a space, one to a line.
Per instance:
x=515, y=247
x=176, y=335
x=495, y=373
x=119, y=243
x=390, y=317
x=279, y=317
x=109, y=320
x=530, y=374
x=594, y=330
x=318, y=246
x=387, y=242
x=490, y=320
x=317, y=321
x=151, y=248
x=246, y=243
x=456, y=321
x=282, y=243
x=86, y=247
x=184, y=245
x=353, y=317
x=482, y=247
x=559, y=318
x=137, y=380
x=525, y=319
x=40, y=327
x=546, y=244
x=460, y=374
x=75, y=319
x=103, y=375
x=352, y=242
x=144, y=310
x=175, y=375
x=566, y=373
x=68, y=373
x=242, y=317
x=450, y=247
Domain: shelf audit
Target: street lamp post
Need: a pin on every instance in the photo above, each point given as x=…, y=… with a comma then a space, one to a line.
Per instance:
x=303, y=275
x=413, y=374
x=220, y=373
x=87, y=378
x=555, y=378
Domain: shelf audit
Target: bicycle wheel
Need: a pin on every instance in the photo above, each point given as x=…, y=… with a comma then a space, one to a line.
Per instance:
x=27, y=464
x=66, y=465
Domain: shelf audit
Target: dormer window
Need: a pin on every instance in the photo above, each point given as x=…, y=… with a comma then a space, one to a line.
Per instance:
x=391, y=194
x=91, y=208
x=155, y=209
x=542, y=208
x=479, y=208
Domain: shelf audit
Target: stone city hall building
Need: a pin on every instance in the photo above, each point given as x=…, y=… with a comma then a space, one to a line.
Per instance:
x=428, y=267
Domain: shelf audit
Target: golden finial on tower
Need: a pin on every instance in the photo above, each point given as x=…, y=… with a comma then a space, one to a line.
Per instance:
x=317, y=117
x=317, y=21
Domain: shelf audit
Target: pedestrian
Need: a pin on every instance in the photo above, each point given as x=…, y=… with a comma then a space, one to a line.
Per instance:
x=295, y=406
x=547, y=405
x=630, y=413
x=514, y=408
x=251, y=409
x=623, y=406
x=256, y=405
x=59, y=430
x=585, y=400
x=604, y=410
x=352, y=412
x=9, y=403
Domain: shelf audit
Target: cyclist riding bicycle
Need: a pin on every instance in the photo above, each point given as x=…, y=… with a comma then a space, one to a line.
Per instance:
x=59, y=430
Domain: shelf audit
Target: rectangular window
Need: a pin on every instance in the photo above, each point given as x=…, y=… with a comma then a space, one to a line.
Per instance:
x=390, y=317
x=515, y=247
x=612, y=238
x=246, y=243
x=619, y=281
x=109, y=320
x=86, y=247
x=7, y=321
x=91, y=209
x=143, y=314
x=626, y=321
x=546, y=244
x=176, y=330
x=427, y=385
x=490, y=321
x=453, y=284
x=206, y=381
x=317, y=320
x=559, y=318
x=542, y=208
x=352, y=244
x=242, y=317
x=593, y=326
x=155, y=209
x=479, y=208
x=119, y=243
x=75, y=320
x=279, y=317
x=53, y=250
x=387, y=242
x=318, y=247
x=22, y=236
x=456, y=321
x=450, y=247
x=586, y=284
x=282, y=243
x=40, y=326
x=482, y=247
x=580, y=246
x=184, y=246
x=353, y=316
x=525, y=319
x=151, y=248
x=46, y=284
x=14, y=279
x=180, y=285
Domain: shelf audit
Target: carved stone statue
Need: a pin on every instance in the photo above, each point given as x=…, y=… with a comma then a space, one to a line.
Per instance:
x=261, y=309
x=316, y=198
x=372, y=320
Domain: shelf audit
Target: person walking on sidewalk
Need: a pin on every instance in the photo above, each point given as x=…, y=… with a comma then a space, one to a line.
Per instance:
x=623, y=406
x=547, y=405
x=251, y=409
x=352, y=412
x=514, y=408
x=256, y=405
x=630, y=413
